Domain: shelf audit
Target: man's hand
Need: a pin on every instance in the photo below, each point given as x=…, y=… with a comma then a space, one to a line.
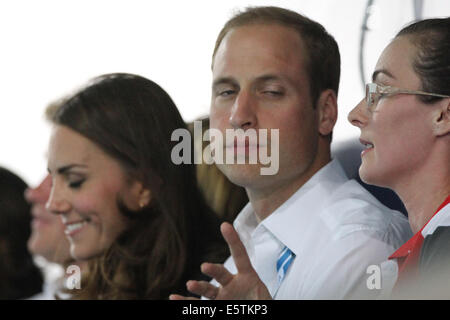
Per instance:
x=245, y=285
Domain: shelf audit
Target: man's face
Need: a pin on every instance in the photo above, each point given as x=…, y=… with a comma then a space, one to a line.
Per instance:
x=260, y=82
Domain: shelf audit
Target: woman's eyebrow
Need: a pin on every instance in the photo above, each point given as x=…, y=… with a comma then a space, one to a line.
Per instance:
x=383, y=71
x=64, y=169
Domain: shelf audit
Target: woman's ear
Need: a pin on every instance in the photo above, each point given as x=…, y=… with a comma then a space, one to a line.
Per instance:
x=140, y=195
x=327, y=108
x=441, y=119
x=145, y=197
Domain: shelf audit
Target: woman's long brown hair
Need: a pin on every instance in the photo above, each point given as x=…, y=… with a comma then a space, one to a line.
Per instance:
x=132, y=119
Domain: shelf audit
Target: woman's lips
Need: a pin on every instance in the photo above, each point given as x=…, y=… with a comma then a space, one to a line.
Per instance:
x=368, y=146
x=39, y=217
x=74, y=227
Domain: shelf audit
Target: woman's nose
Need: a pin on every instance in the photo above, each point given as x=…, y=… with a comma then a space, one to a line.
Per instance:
x=57, y=203
x=358, y=116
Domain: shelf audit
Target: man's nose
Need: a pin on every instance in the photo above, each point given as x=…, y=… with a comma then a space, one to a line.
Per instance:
x=243, y=113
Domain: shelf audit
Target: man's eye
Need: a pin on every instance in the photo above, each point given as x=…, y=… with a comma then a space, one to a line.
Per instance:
x=273, y=93
x=272, y=90
x=226, y=93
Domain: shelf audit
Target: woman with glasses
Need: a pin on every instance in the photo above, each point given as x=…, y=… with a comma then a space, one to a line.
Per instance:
x=405, y=126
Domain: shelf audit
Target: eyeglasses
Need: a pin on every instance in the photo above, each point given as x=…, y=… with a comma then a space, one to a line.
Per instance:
x=374, y=92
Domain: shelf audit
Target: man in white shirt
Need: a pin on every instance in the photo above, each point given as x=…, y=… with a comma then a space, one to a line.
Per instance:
x=336, y=230
x=308, y=232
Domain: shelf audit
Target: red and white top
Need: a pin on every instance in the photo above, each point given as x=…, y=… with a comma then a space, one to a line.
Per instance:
x=408, y=255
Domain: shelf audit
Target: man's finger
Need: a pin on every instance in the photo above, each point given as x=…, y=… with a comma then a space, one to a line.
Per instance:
x=237, y=249
x=218, y=272
x=202, y=288
x=179, y=297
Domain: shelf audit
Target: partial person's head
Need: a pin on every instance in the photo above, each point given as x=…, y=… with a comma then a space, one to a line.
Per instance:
x=47, y=230
x=405, y=117
x=19, y=277
x=120, y=196
x=276, y=69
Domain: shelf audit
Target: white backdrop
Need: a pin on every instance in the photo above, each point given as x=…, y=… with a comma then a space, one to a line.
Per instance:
x=49, y=47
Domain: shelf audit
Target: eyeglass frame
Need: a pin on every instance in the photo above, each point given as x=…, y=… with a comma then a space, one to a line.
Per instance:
x=373, y=88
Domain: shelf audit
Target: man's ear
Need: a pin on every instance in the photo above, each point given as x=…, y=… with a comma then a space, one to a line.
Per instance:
x=441, y=119
x=327, y=111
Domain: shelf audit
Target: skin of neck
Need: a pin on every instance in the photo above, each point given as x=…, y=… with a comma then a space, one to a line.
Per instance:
x=423, y=189
x=266, y=200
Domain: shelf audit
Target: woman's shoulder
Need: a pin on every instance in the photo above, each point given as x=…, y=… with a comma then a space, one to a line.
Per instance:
x=434, y=264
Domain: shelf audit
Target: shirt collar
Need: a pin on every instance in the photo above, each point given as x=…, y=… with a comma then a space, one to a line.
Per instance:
x=440, y=218
x=245, y=223
x=409, y=246
x=297, y=211
x=415, y=242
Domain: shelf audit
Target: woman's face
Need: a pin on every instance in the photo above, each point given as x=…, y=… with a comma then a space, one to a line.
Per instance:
x=86, y=183
x=47, y=237
x=398, y=134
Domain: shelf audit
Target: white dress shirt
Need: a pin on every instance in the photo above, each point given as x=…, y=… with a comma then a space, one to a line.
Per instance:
x=336, y=229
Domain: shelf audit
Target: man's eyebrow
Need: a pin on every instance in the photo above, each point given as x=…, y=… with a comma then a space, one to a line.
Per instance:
x=384, y=71
x=224, y=80
x=268, y=77
x=64, y=169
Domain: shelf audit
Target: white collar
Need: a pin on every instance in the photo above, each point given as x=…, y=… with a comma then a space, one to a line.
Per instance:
x=297, y=210
x=440, y=219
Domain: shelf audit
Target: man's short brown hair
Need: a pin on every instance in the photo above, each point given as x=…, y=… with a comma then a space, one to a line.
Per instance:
x=323, y=59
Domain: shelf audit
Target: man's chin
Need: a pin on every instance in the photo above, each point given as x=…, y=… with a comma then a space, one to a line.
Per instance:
x=244, y=175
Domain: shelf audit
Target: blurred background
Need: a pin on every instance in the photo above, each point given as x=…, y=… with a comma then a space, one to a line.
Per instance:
x=49, y=47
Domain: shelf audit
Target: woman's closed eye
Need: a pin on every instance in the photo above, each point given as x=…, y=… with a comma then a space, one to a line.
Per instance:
x=76, y=184
x=75, y=180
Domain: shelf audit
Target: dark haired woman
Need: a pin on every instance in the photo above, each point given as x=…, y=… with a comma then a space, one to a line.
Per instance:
x=20, y=278
x=137, y=217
